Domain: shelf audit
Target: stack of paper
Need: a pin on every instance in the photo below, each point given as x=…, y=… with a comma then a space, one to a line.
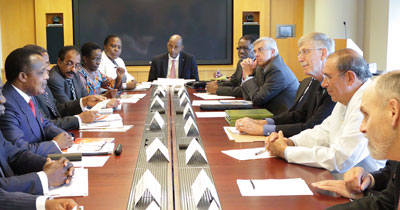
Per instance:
x=79, y=185
x=273, y=187
x=91, y=161
x=106, y=123
x=210, y=96
x=200, y=102
x=143, y=86
x=131, y=98
x=235, y=135
x=210, y=114
x=92, y=146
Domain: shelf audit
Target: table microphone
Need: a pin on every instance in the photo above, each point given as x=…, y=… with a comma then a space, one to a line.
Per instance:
x=118, y=150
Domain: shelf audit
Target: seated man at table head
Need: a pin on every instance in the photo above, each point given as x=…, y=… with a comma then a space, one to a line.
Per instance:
x=380, y=106
x=68, y=115
x=313, y=103
x=25, y=175
x=337, y=143
x=23, y=124
x=268, y=81
x=93, y=79
x=112, y=65
x=175, y=63
x=232, y=86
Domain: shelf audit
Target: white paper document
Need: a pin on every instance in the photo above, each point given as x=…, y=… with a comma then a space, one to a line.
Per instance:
x=211, y=96
x=79, y=185
x=110, y=129
x=142, y=86
x=100, y=105
x=200, y=102
x=248, y=154
x=231, y=129
x=91, y=161
x=210, y=114
x=273, y=187
x=131, y=98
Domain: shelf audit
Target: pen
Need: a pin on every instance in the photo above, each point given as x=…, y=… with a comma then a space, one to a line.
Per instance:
x=261, y=152
x=252, y=184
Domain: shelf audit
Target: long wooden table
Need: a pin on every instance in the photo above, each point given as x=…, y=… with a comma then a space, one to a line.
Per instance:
x=109, y=186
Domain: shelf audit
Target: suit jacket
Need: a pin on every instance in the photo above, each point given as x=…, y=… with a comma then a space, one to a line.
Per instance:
x=60, y=88
x=273, y=87
x=23, y=129
x=232, y=86
x=18, y=167
x=302, y=87
x=62, y=116
x=17, y=201
x=316, y=106
x=385, y=193
x=187, y=67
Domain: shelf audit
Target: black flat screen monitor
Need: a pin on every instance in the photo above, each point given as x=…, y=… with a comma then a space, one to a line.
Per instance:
x=146, y=25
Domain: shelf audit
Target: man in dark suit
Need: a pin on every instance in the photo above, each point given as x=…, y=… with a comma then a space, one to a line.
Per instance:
x=380, y=106
x=232, y=86
x=64, y=82
x=312, y=103
x=175, y=63
x=68, y=115
x=23, y=175
x=23, y=124
x=273, y=86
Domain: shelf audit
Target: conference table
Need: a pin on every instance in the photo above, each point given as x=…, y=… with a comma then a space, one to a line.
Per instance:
x=109, y=186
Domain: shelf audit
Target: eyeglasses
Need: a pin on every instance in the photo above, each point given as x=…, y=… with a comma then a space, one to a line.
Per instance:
x=260, y=50
x=243, y=48
x=328, y=78
x=306, y=51
x=72, y=65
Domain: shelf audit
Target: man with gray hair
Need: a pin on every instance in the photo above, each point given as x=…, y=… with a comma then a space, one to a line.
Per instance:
x=381, y=189
x=337, y=144
x=273, y=85
x=313, y=103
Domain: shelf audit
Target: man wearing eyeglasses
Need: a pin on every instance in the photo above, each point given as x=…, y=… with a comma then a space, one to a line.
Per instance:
x=273, y=86
x=232, y=86
x=23, y=124
x=337, y=144
x=64, y=82
x=312, y=105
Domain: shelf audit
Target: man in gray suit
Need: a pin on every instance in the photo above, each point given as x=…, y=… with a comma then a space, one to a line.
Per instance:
x=273, y=85
x=68, y=115
x=232, y=86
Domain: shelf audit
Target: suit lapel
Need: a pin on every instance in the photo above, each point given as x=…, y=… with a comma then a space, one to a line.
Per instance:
x=165, y=65
x=34, y=124
x=180, y=67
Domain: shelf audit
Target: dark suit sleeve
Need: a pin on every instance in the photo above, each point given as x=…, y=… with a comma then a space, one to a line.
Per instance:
x=57, y=88
x=66, y=123
x=232, y=86
x=13, y=133
x=153, y=73
x=271, y=87
x=382, y=176
x=292, y=123
x=69, y=108
x=17, y=200
x=194, y=73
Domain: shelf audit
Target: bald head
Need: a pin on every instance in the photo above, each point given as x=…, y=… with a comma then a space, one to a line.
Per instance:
x=175, y=45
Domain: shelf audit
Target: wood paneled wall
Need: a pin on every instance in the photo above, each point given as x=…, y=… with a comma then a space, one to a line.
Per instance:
x=24, y=22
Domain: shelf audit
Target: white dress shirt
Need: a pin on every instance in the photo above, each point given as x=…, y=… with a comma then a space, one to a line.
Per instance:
x=337, y=144
x=107, y=67
x=176, y=65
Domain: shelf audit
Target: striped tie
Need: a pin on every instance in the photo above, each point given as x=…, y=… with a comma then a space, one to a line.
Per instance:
x=72, y=88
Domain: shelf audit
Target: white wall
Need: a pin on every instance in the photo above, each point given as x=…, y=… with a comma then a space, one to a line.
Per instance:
x=1, y=50
x=393, y=46
x=309, y=16
x=376, y=32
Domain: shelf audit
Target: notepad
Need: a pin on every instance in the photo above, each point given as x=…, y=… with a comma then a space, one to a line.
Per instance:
x=248, y=154
x=273, y=187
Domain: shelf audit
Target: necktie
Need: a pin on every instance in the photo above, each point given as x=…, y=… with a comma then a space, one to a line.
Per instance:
x=50, y=104
x=172, y=73
x=32, y=107
x=123, y=80
x=305, y=91
x=72, y=88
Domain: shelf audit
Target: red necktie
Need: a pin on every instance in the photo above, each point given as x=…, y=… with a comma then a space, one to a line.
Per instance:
x=172, y=73
x=32, y=107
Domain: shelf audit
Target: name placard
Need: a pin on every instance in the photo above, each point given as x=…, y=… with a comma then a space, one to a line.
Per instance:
x=148, y=184
x=190, y=127
x=156, y=146
x=195, y=148
x=157, y=122
x=201, y=185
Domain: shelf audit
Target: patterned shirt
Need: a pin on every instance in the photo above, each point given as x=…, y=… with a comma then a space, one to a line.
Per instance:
x=93, y=86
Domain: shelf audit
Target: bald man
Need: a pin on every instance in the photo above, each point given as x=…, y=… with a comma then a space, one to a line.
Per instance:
x=175, y=63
